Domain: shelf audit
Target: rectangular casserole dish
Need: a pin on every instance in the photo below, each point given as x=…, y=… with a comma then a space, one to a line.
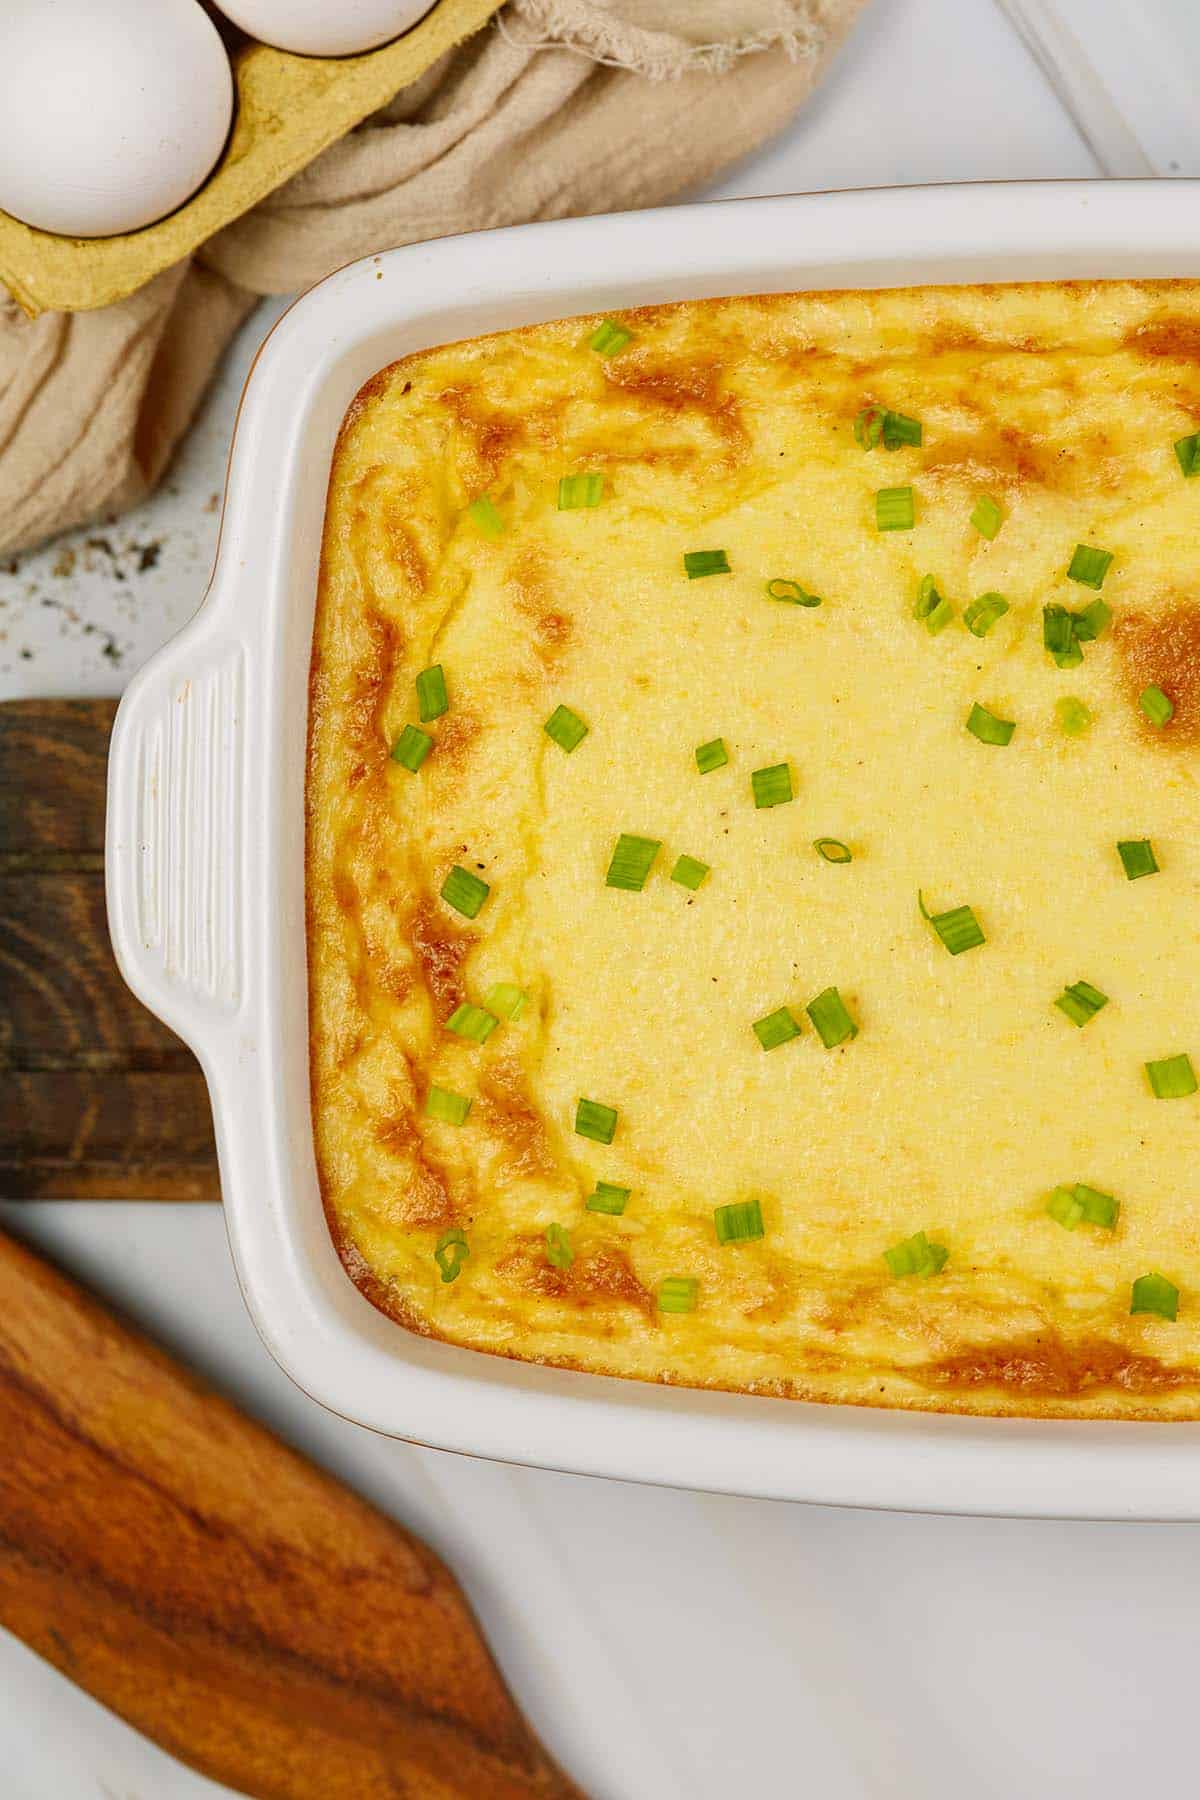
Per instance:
x=206, y=848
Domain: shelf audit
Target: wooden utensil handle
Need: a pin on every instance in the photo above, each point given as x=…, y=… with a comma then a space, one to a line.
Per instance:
x=230, y=1600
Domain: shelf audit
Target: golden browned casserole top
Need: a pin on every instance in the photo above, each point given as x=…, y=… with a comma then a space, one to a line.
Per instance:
x=753, y=846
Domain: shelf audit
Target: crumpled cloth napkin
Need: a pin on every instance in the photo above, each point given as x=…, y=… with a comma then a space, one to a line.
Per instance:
x=558, y=107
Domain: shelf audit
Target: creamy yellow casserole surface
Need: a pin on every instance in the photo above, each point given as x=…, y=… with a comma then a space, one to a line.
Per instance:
x=967, y=1097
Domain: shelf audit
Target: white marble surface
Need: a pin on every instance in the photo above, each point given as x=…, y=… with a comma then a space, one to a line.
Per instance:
x=670, y=1644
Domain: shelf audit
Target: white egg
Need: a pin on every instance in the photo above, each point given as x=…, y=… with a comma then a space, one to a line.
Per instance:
x=113, y=111
x=324, y=27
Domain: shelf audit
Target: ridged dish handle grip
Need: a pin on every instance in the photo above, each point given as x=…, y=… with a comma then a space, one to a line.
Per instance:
x=175, y=851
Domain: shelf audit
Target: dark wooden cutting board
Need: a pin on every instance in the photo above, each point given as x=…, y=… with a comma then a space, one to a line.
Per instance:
x=98, y=1100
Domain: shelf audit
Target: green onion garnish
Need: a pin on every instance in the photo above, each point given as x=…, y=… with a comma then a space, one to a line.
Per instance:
x=868, y=427
x=1157, y=708
x=1081, y=1002
x=958, y=929
x=1065, y=1208
x=579, y=490
x=705, y=562
x=631, y=862
x=777, y=1028
x=1187, y=450
x=451, y=1108
x=916, y=1256
x=1073, y=716
x=985, y=726
x=831, y=1021
x=1089, y=566
x=982, y=614
x=609, y=338
x=677, y=1294
x=592, y=1120
x=1173, y=1078
x=1154, y=1294
x=431, y=693
x=472, y=1022
x=558, y=1247
x=1137, y=857
x=931, y=607
x=1091, y=620
x=899, y=430
x=781, y=587
x=506, y=1000
x=688, y=872
x=464, y=891
x=772, y=786
x=738, y=1222
x=1058, y=635
x=607, y=1198
x=481, y=512
x=712, y=755
x=894, y=509
x=411, y=748
x=451, y=1253
x=1098, y=1208
x=832, y=850
x=987, y=517
x=566, y=728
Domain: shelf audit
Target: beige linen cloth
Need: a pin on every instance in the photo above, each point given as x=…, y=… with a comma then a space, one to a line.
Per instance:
x=557, y=107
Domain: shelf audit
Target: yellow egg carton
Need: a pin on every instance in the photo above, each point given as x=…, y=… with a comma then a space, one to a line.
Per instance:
x=287, y=110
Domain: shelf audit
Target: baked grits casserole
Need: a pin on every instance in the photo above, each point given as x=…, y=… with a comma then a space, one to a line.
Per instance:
x=752, y=846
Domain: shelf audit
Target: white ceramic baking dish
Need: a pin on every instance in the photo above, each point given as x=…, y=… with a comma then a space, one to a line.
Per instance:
x=206, y=846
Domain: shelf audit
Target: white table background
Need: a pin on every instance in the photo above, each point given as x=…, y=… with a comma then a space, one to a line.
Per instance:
x=669, y=1644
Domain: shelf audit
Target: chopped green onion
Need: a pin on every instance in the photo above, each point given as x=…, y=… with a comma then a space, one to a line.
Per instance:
x=777, y=1028
x=916, y=1256
x=566, y=728
x=894, y=509
x=411, y=748
x=1073, y=716
x=677, y=1294
x=712, y=755
x=738, y=1222
x=1098, y=1209
x=451, y=1253
x=1173, y=1078
x=781, y=587
x=607, y=1198
x=481, y=512
x=772, y=786
x=1089, y=566
x=987, y=517
x=958, y=929
x=451, y=1108
x=558, y=1247
x=506, y=1000
x=1091, y=620
x=705, y=562
x=868, y=426
x=899, y=430
x=931, y=607
x=579, y=490
x=472, y=1022
x=1137, y=858
x=985, y=726
x=464, y=891
x=1154, y=1294
x=1157, y=708
x=982, y=614
x=831, y=1021
x=688, y=872
x=1187, y=450
x=832, y=850
x=609, y=337
x=592, y=1120
x=431, y=693
x=1065, y=1208
x=1081, y=1002
x=631, y=862
x=1058, y=635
